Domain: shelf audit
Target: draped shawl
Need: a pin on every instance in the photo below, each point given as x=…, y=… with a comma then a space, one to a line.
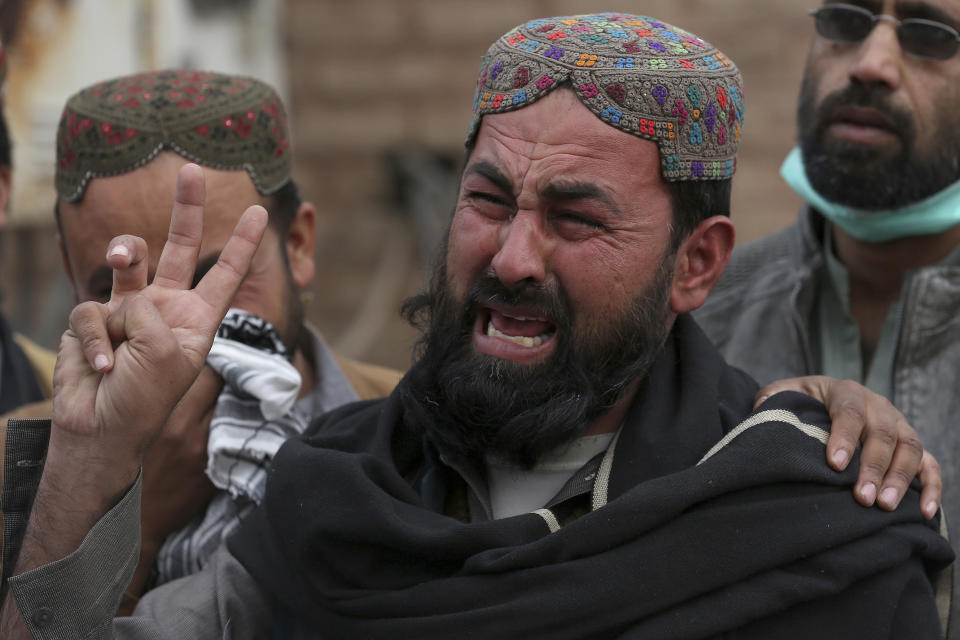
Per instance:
x=705, y=527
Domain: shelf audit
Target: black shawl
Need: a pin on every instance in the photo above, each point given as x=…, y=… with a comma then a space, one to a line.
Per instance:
x=681, y=550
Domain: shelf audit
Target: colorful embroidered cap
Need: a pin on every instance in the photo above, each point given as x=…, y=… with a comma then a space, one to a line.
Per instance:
x=636, y=73
x=216, y=120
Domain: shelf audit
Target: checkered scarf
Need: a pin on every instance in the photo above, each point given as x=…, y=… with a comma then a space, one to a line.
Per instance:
x=253, y=416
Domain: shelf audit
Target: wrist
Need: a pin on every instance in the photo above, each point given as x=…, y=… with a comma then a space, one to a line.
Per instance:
x=78, y=468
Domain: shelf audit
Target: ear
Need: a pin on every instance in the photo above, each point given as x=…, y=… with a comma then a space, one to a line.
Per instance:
x=700, y=261
x=301, y=240
x=6, y=183
x=67, y=269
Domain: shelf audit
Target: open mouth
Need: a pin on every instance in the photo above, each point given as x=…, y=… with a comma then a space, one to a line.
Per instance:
x=523, y=330
x=514, y=333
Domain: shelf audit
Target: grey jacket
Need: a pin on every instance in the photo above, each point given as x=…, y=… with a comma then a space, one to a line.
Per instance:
x=760, y=317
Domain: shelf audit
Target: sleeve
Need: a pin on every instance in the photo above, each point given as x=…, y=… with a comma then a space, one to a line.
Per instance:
x=898, y=603
x=76, y=597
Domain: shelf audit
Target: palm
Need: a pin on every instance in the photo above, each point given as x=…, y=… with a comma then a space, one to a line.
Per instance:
x=156, y=336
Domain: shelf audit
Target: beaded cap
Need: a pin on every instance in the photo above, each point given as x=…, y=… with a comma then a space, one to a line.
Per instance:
x=635, y=73
x=216, y=120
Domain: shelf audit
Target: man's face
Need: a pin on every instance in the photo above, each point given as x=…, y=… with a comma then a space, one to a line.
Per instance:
x=554, y=294
x=877, y=125
x=139, y=203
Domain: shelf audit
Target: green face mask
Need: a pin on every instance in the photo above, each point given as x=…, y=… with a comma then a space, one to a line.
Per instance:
x=936, y=214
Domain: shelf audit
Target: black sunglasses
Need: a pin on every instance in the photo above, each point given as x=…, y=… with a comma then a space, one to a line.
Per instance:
x=918, y=37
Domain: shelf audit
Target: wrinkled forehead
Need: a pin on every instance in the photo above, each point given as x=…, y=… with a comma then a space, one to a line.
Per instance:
x=559, y=130
x=633, y=73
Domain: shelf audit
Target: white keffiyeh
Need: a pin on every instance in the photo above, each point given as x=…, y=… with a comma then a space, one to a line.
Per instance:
x=253, y=416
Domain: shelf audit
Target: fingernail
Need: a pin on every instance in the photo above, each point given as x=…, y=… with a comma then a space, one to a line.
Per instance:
x=119, y=250
x=931, y=509
x=101, y=362
x=889, y=497
x=840, y=459
x=869, y=492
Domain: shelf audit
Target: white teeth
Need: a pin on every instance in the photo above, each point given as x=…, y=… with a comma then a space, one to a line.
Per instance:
x=523, y=341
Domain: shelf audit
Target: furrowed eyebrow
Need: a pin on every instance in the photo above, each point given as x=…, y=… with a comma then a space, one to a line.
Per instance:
x=569, y=191
x=487, y=170
x=913, y=9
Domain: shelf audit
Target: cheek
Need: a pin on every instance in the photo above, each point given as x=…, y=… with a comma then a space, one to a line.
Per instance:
x=263, y=294
x=601, y=280
x=471, y=246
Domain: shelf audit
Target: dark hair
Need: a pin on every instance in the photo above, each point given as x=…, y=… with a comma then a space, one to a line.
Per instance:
x=5, y=146
x=694, y=201
x=283, y=205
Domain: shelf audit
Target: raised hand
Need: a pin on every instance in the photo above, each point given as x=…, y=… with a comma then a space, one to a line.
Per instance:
x=124, y=365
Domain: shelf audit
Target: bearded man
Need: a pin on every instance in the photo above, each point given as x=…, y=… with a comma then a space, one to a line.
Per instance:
x=864, y=285
x=569, y=457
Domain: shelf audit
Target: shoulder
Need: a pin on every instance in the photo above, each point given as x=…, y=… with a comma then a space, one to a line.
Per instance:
x=42, y=360
x=759, y=283
x=762, y=263
x=368, y=380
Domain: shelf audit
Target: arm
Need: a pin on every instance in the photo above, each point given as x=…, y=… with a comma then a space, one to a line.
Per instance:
x=892, y=454
x=897, y=603
x=222, y=600
x=111, y=403
x=175, y=485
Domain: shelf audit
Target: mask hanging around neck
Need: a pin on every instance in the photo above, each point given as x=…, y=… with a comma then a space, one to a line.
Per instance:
x=935, y=214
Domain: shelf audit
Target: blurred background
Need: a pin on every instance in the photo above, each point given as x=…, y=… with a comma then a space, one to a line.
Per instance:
x=379, y=94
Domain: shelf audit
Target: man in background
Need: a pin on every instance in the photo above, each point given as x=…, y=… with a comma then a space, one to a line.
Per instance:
x=120, y=146
x=865, y=285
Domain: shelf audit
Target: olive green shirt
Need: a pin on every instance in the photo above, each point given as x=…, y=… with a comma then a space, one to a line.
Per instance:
x=835, y=335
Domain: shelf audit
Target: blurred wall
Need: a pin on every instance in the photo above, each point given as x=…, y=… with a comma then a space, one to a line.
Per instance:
x=375, y=75
x=371, y=83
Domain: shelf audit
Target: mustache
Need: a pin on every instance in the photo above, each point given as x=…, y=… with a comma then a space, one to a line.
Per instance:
x=859, y=95
x=551, y=300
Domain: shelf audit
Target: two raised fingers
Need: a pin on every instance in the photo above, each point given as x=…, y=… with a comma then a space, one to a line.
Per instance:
x=178, y=260
x=128, y=256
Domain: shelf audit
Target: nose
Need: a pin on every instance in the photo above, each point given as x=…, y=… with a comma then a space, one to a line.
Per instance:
x=879, y=58
x=522, y=254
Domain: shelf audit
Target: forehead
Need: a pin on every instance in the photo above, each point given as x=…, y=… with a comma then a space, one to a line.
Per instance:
x=140, y=202
x=557, y=137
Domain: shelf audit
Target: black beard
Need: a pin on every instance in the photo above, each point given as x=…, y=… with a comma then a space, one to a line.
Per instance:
x=857, y=175
x=476, y=405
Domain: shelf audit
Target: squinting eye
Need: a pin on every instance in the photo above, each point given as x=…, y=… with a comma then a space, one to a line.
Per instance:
x=574, y=218
x=486, y=197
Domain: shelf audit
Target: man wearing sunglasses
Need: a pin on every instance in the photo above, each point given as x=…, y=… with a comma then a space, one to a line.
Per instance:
x=865, y=285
